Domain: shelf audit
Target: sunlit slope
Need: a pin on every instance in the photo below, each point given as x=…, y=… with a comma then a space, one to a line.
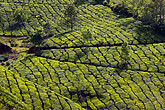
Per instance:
x=20, y=93
x=149, y=57
x=73, y=73
x=95, y=87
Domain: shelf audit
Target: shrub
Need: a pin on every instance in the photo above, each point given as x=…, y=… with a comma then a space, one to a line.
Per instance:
x=20, y=15
x=87, y=35
x=37, y=37
x=124, y=56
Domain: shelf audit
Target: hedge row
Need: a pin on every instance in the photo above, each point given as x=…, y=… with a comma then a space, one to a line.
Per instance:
x=149, y=57
x=107, y=28
x=21, y=93
x=95, y=87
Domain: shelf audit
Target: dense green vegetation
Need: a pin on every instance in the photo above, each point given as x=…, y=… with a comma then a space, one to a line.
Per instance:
x=86, y=55
x=151, y=12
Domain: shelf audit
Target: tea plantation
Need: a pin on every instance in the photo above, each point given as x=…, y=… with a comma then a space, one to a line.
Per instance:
x=72, y=73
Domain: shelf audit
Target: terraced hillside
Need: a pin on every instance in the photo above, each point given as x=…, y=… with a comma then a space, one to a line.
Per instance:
x=70, y=72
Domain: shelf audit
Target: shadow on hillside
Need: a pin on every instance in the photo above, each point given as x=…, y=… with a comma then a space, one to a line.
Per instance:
x=13, y=27
x=122, y=15
x=58, y=35
x=120, y=11
x=79, y=3
x=61, y=34
x=126, y=23
x=145, y=34
x=143, y=31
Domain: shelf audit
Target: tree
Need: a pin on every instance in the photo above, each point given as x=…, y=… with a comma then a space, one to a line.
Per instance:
x=151, y=12
x=20, y=15
x=37, y=37
x=87, y=35
x=157, y=10
x=70, y=16
x=124, y=56
x=48, y=28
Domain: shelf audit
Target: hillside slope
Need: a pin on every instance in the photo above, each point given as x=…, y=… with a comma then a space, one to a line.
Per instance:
x=70, y=72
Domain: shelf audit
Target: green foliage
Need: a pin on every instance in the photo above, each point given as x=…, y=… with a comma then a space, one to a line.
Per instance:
x=133, y=5
x=87, y=35
x=155, y=14
x=37, y=37
x=97, y=85
x=87, y=76
x=70, y=16
x=20, y=15
x=149, y=11
x=110, y=55
x=124, y=56
x=4, y=57
x=80, y=2
x=2, y=15
x=10, y=101
x=23, y=94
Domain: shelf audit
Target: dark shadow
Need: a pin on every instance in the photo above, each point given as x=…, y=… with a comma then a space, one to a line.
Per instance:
x=39, y=53
x=4, y=48
x=145, y=31
x=145, y=34
x=58, y=35
x=80, y=2
x=122, y=16
x=15, y=26
x=120, y=10
x=92, y=2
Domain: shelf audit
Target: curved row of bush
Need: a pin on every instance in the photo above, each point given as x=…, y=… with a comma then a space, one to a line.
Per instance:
x=93, y=87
